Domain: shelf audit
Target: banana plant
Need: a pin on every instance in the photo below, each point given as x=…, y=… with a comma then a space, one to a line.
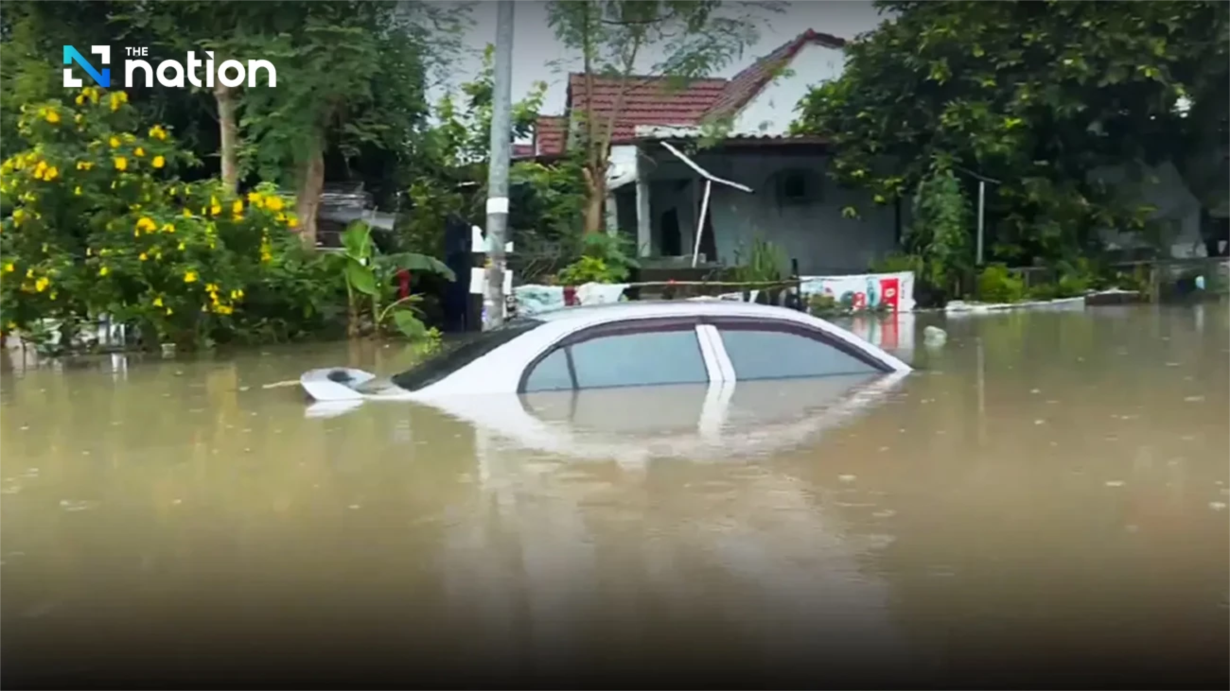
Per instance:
x=368, y=275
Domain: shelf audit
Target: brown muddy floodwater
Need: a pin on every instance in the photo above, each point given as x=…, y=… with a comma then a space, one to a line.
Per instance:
x=1042, y=503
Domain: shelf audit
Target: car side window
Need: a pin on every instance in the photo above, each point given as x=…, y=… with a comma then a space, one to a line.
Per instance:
x=639, y=359
x=768, y=354
x=550, y=374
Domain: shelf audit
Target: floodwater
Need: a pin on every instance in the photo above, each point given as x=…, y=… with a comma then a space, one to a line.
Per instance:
x=1043, y=503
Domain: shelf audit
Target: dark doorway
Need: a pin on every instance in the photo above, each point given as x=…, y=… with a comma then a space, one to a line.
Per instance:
x=672, y=240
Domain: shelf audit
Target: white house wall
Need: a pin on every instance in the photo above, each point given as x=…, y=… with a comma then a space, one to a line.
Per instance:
x=773, y=109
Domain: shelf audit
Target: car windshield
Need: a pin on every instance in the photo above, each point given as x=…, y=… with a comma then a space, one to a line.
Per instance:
x=461, y=352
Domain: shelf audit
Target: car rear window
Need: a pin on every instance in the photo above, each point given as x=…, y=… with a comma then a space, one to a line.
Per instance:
x=461, y=352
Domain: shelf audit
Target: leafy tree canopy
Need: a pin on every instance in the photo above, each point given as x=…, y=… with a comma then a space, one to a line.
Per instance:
x=1035, y=95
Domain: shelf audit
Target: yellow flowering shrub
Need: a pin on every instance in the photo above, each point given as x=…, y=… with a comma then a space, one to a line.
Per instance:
x=95, y=222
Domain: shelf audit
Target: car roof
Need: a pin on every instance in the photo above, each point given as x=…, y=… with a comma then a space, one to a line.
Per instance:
x=616, y=311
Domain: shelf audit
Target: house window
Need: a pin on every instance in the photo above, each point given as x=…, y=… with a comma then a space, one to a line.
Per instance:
x=797, y=186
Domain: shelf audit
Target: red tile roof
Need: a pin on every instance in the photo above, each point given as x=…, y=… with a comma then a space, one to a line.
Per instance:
x=744, y=86
x=651, y=101
x=647, y=101
x=550, y=134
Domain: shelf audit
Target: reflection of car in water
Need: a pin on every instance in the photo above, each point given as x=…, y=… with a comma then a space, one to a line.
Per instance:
x=692, y=381
x=639, y=379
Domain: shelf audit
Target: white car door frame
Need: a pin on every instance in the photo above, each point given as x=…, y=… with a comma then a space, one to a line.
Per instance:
x=721, y=384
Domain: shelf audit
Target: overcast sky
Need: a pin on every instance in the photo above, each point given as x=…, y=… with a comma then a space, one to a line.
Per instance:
x=535, y=46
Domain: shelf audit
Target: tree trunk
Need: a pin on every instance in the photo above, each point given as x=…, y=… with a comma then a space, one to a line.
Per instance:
x=311, y=184
x=595, y=202
x=229, y=123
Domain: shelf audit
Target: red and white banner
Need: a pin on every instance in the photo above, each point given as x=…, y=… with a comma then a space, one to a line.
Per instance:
x=865, y=291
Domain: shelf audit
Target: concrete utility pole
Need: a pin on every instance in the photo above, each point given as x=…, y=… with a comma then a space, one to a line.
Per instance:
x=497, y=176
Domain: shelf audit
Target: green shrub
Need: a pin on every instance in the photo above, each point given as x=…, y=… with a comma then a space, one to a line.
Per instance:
x=95, y=222
x=996, y=284
x=588, y=270
x=763, y=263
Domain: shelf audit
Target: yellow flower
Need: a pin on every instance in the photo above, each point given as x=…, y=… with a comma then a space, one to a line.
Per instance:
x=147, y=224
x=160, y=162
x=29, y=273
x=84, y=165
x=180, y=247
x=187, y=213
x=158, y=301
x=190, y=277
x=10, y=268
x=274, y=203
x=292, y=222
x=77, y=190
x=215, y=206
x=92, y=92
x=51, y=174
x=18, y=215
x=170, y=311
x=236, y=294
x=103, y=271
x=121, y=163
x=237, y=207
x=117, y=97
x=139, y=152
x=52, y=116
x=41, y=284
x=255, y=199
x=80, y=99
x=143, y=257
x=114, y=142
x=157, y=132
x=168, y=227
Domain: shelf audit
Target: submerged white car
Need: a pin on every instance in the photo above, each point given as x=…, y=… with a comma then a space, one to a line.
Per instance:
x=635, y=381
x=630, y=344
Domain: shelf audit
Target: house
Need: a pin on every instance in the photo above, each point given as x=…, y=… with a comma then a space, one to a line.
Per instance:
x=758, y=181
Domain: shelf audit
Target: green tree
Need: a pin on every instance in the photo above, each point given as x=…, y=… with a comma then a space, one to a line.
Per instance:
x=32, y=36
x=451, y=171
x=1035, y=94
x=97, y=223
x=351, y=82
x=353, y=76
x=614, y=37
